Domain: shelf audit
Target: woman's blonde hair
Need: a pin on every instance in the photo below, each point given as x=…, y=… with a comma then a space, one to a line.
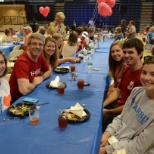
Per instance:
x=57, y=36
x=54, y=57
x=60, y=16
x=151, y=29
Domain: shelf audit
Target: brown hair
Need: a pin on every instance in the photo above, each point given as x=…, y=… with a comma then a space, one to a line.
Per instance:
x=1, y=53
x=7, y=31
x=56, y=36
x=73, y=37
x=54, y=57
x=112, y=62
x=79, y=30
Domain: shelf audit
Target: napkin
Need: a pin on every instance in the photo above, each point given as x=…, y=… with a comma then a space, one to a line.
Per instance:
x=77, y=110
x=55, y=82
x=63, y=67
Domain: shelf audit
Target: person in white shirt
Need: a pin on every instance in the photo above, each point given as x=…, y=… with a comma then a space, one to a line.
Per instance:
x=4, y=85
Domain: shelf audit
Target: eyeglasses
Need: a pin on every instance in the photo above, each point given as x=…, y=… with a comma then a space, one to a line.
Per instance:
x=149, y=59
x=37, y=44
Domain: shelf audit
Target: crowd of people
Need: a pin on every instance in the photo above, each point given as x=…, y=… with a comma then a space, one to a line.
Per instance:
x=128, y=102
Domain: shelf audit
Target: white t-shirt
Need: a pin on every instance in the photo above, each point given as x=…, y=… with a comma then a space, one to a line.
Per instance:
x=67, y=50
x=5, y=93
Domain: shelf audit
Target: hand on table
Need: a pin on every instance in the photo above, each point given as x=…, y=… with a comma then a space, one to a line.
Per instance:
x=37, y=80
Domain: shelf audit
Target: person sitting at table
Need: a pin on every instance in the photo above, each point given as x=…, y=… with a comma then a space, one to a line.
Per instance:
x=28, y=32
x=30, y=68
x=59, y=40
x=41, y=30
x=83, y=42
x=57, y=26
x=132, y=129
x=150, y=35
x=113, y=105
x=70, y=47
x=117, y=65
x=6, y=38
x=21, y=33
x=91, y=32
x=13, y=35
x=5, y=97
x=118, y=35
x=50, y=52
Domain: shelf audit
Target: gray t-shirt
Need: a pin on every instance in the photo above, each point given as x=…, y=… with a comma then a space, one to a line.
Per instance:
x=135, y=125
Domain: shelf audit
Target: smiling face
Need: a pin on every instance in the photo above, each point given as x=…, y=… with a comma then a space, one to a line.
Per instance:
x=2, y=65
x=49, y=48
x=147, y=77
x=59, y=42
x=131, y=56
x=35, y=47
x=116, y=52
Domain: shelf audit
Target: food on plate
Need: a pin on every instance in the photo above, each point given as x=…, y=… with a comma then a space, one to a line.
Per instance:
x=21, y=109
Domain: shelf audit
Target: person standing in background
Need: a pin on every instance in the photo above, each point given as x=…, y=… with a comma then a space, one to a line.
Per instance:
x=57, y=26
x=131, y=33
x=123, y=27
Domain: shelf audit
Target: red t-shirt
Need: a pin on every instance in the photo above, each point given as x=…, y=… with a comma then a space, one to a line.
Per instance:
x=128, y=82
x=25, y=68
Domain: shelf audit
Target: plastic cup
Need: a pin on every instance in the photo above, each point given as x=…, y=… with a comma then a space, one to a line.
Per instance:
x=80, y=84
x=34, y=116
x=61, y=89
x=62, y=121
x=72, y=68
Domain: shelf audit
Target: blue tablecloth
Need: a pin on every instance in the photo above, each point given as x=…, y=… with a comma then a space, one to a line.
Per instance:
x=19, y=137
x=6, y=48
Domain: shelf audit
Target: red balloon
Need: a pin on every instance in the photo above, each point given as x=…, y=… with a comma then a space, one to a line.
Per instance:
x=41, y=9
x=47, y=9
x=45, y=14
x=100, y=1
x=102, y=7
x=109, y=12
x=111, y=3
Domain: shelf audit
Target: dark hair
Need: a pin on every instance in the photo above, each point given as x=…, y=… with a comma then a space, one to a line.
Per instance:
x=148, y=60
x=79, y=30
x=73, y=38
x=54, y=57
x=136, y=43
x=1, y=53
x=7, y=31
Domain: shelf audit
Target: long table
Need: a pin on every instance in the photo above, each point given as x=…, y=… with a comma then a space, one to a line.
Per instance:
x=6, y=48
x=20, y=137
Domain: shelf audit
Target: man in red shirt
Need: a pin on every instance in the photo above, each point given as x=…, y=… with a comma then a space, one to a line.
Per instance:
x=133, y=51
x=30, y=69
